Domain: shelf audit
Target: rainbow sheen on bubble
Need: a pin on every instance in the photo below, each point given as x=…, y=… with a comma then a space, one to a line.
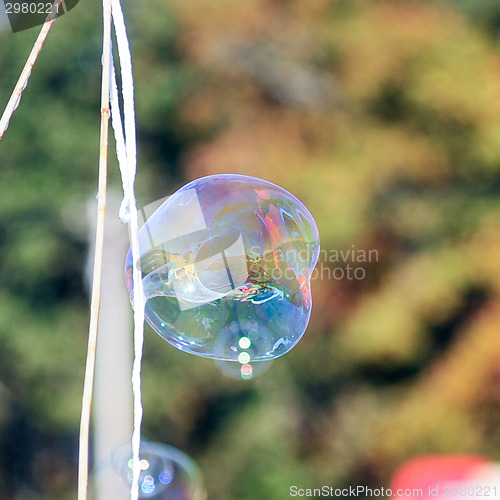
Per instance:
x=226, y=261
x=166, y=472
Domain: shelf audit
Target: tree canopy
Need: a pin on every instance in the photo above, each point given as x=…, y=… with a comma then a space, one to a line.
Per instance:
x=384, y=119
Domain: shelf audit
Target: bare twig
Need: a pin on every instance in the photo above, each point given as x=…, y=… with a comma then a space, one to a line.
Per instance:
x=83, y=462
x=26, y=72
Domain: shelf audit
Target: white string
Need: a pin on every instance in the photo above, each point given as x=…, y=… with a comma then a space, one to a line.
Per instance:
x=128, y=106
x=116, y=120
x=127, y=157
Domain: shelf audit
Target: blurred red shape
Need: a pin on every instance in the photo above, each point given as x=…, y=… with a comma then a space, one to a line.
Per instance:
x=430, y=471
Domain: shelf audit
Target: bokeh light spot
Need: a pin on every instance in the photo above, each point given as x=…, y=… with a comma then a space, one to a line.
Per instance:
x=244, y=358
x=245, y=342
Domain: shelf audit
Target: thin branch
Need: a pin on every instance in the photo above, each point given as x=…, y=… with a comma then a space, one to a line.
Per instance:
x=83, y=462
x=26, y=72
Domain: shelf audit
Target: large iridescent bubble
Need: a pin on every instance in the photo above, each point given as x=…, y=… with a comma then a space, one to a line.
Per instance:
x=226, y=264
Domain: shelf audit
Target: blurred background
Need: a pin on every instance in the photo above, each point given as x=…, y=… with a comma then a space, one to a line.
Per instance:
x=383, y=117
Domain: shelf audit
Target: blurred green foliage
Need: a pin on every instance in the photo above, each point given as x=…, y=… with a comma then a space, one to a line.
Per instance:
x=384, y=118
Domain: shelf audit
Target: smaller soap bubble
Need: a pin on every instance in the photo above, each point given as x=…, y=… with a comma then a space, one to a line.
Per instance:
x=166, y=472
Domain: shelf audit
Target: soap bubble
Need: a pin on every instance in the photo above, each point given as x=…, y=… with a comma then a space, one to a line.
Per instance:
x=228, y=257
x=166, y=472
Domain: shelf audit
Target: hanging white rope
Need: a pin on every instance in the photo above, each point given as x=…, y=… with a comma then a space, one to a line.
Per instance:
x=127, y=157
x=116, y=121
x=129, y=111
